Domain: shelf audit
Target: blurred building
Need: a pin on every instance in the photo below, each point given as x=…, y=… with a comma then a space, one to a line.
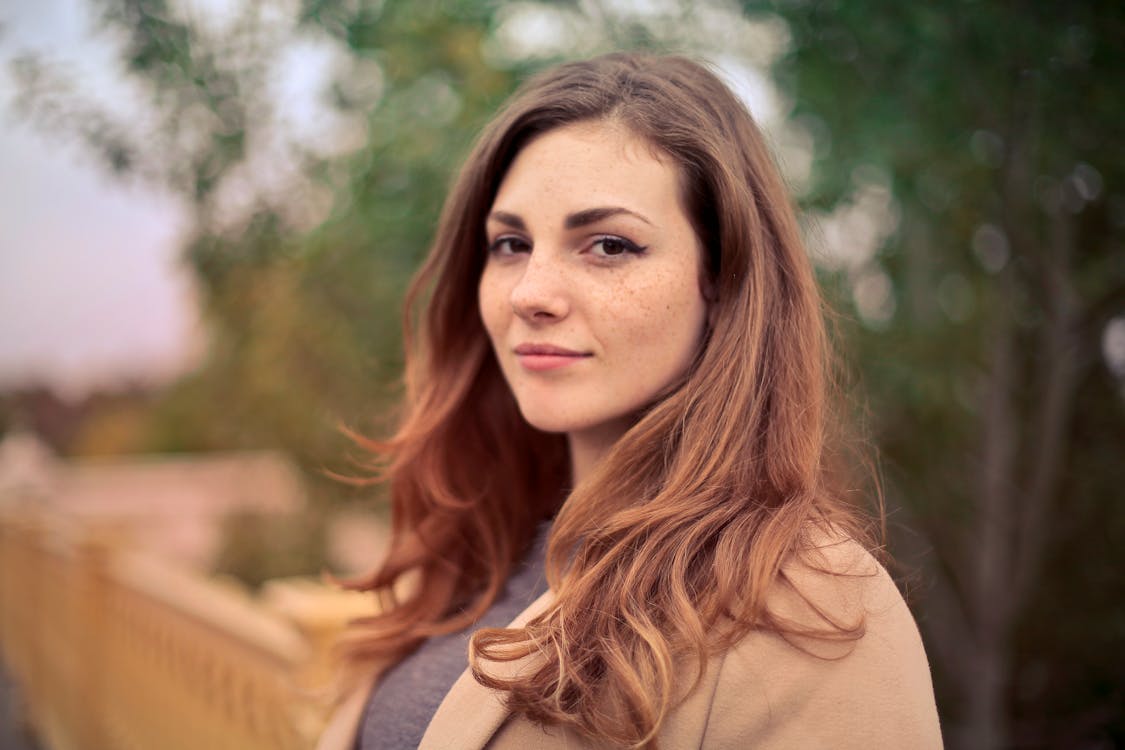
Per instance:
x=170, y=505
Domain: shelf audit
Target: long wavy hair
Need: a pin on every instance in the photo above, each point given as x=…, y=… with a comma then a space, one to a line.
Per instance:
x=667, y=552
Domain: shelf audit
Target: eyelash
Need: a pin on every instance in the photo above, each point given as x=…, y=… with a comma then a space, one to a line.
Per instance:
x=628, y=247
x=496, y=246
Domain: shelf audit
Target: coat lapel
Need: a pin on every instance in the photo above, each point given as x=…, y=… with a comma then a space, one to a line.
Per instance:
x=343, y=725
x=471, y=713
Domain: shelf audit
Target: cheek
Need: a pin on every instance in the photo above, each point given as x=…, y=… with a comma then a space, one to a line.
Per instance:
x=491, y=302
x=663, y=321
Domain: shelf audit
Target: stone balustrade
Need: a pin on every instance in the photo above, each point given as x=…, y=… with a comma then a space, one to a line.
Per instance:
x=117, y=650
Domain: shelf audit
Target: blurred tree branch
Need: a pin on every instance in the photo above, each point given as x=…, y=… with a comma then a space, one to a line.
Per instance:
x=995, y=125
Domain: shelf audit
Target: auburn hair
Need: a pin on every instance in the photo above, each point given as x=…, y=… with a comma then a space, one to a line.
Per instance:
x=665, y=554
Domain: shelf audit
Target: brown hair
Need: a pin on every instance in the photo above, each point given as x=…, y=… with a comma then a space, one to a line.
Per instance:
x=668, y=549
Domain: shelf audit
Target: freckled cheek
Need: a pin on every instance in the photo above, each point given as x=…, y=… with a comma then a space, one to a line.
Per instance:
x=656, y=323
x=492, y=305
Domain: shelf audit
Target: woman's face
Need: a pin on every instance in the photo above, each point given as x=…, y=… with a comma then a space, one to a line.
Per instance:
x=591, y=292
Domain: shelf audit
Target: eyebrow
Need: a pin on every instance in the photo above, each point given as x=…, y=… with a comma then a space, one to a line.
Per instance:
x=573, y=221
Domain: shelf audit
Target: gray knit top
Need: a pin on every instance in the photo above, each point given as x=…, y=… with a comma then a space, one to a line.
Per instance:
x=406, y=698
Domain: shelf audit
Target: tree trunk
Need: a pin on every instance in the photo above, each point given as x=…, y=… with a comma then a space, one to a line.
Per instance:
x=986, y=726
x=992, y=596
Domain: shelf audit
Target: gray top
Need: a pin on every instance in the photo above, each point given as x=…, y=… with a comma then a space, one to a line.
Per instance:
x=406, y=698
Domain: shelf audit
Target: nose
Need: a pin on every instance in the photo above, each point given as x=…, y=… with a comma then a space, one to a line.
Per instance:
x=541, y=294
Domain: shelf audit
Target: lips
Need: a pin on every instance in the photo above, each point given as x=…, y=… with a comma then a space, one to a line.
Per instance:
x=540, y=357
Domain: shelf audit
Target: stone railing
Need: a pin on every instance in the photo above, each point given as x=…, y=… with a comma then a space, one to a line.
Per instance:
x=114, y=650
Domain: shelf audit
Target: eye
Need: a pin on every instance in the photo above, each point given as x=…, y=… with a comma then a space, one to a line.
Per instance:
x=508, y=244
x=609, y=246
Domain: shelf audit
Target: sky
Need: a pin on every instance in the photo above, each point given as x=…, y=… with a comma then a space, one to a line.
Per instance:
x=91, y=292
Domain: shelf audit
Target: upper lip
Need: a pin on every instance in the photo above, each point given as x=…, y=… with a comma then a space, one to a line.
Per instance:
x=548, y=349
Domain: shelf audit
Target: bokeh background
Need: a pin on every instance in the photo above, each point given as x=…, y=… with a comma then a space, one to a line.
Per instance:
x=209, y=210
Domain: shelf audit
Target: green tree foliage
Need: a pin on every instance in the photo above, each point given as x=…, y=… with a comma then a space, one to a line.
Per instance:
x=302, y=319
x=996, y=128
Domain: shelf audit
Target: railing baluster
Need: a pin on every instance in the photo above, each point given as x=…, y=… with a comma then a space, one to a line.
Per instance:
x=113, y=650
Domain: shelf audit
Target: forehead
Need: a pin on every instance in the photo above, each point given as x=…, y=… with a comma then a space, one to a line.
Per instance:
x=587, y=164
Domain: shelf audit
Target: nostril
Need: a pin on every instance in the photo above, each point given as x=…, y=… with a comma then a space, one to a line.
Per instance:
x=540, y=306
x=538, y=310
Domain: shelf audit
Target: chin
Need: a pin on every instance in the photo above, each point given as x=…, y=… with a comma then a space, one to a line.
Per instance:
x=551, y=424
x=551, y=418
x=555, y=420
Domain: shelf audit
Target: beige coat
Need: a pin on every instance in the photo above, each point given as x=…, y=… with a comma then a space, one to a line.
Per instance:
x=765, y=693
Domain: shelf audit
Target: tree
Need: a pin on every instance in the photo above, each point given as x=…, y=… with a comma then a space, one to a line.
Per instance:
x=302, y=309
x=994, y=128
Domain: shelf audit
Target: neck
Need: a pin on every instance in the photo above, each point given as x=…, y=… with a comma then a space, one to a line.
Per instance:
x=588, y=447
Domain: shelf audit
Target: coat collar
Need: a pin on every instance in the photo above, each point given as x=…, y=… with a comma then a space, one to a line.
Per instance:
x=344, y=723
x=466, y=719
x=471, y=713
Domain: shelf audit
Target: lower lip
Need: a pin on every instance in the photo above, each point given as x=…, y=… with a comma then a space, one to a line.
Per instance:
x=542, y=362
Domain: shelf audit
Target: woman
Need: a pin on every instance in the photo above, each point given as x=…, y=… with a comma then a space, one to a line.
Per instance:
x=610, y=488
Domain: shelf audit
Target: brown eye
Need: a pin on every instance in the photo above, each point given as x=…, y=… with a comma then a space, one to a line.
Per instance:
x=611, y=246
x=508, y=245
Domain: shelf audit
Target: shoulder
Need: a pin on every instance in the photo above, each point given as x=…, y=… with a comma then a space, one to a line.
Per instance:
x=868, y=686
